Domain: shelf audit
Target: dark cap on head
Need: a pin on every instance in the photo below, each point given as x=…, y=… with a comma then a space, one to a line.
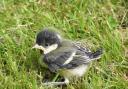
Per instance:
x=48, y=37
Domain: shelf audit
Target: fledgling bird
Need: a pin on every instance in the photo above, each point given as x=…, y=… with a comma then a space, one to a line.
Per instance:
x=66, y=57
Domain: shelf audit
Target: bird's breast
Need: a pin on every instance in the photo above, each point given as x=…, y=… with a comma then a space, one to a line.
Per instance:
x=78, y=71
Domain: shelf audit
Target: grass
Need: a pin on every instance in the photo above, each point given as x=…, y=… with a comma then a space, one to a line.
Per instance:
x=101, y=22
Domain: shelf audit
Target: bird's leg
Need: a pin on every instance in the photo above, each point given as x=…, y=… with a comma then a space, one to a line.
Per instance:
x=66, y=81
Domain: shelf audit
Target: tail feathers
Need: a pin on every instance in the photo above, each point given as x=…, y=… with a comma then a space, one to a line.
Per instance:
x=97, y=54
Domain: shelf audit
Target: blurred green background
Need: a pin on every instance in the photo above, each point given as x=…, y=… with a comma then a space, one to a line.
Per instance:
x=101, y=22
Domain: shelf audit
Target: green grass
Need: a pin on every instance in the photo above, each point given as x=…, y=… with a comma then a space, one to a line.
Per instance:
x=101, y=22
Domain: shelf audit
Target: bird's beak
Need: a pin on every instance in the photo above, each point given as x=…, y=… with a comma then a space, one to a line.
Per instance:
x=36, y=46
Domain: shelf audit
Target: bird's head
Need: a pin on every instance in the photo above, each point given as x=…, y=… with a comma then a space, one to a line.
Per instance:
x=47, y=40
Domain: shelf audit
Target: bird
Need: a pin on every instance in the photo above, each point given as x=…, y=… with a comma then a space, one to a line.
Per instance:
x=63, y=56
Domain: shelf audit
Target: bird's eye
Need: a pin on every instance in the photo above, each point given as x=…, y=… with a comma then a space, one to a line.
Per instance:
x=46, y=44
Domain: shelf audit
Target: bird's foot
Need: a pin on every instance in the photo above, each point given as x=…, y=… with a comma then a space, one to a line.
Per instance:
x=56, y=83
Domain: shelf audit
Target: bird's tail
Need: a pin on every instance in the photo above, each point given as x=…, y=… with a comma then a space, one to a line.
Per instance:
x=97, y=54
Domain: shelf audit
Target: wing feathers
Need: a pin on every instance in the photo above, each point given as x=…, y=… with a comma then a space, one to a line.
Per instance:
x=69, y=59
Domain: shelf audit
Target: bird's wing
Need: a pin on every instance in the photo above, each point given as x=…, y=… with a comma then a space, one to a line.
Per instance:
x=77, y=62
x=83, y=57
x=81, y=46
x=56, y=61
x=79, y=58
